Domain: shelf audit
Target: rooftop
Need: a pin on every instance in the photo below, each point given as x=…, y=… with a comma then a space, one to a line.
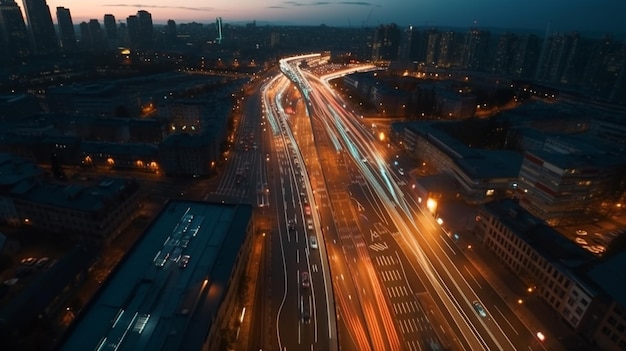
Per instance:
x=150, y=302
x=549, y=243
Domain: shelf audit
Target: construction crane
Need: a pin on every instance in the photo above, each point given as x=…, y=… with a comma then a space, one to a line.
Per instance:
x=367, y=19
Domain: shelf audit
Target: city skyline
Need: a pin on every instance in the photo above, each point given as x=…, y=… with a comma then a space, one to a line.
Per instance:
x=596, y=17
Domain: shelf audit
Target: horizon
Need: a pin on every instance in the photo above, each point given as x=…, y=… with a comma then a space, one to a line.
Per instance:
x=601, y=17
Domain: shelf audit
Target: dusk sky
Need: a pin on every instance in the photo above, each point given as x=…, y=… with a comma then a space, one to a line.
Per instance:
x=563, y=15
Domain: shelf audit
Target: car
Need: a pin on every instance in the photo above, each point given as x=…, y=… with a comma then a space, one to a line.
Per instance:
x=309, y=224
x=581, y=232
x=184, y=261
x=401, y=171
x=479, y=309
x=42, y=262
x=291, y=225
x=581, y=241
x=29, y=261
x=307, y=209
x=306, y=281
x=313, y=242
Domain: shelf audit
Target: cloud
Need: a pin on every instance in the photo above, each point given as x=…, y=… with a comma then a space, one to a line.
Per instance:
x=286, y=4
x=163, y=7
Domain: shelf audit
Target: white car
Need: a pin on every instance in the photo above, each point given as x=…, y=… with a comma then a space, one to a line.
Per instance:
x=313, y=242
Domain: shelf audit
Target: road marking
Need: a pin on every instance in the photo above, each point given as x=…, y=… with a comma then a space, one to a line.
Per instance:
x=379, y=246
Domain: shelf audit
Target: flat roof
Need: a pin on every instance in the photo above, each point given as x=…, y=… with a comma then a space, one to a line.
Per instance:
x=548, y=242
x=146, y=306
x=610, y=275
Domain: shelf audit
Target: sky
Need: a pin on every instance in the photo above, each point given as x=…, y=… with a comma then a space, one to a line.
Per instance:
x=598, y=16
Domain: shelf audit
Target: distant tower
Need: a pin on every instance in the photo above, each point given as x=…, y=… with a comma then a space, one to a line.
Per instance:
x=409, y=45
x=110, y=29
x=96, y=35
x=475, y=50
x=13, y=34
x=41, y=29
x=66, y=29
x=386, y=43
x=132, y=24
x=218, y=24
x=171, y=31
x=146, y=29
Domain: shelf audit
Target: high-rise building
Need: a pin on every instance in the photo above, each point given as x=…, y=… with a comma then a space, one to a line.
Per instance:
x=448, y=53
x=66, y=29
x=110, y=29
x=146, y=29
x=432, y=47
x=218, y=25
x=96, y=34
x=13, y=33
x=40, y=27
x=557, y=50
x=386, y=43
x=85, y=37
x=475, y=51
x=171, y=32
x=132, y=30
x=526, y=56
x=409, y=45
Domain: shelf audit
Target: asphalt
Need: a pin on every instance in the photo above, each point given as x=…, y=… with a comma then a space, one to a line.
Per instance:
x=533, y=311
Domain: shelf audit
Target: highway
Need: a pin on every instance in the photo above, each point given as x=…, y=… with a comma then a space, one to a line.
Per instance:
x=414, y=284
x=293, y=306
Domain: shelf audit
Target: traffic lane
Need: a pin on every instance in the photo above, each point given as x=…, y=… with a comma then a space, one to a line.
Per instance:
x=398, y=282
x=511, y=326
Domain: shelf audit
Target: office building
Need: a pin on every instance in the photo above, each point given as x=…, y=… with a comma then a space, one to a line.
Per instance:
x=132, y=29
x=13, y=34
x=40, y=27
x=66, y=29
x=588, y=294
x=556, y=186
x=550, y=265
x=177, y=288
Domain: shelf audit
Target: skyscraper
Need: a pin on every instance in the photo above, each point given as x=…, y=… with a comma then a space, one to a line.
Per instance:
x=110, y=28
x=386, y=43
x=408, y=50
x=97, y=37
x=218, y=24
x=146, y=29
x=132, y=31
x=475, y=50
x=66, y=29
x=13, y=33
x=40, y=27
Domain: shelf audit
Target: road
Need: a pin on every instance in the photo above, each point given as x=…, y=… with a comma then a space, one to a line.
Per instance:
x=402, y=258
